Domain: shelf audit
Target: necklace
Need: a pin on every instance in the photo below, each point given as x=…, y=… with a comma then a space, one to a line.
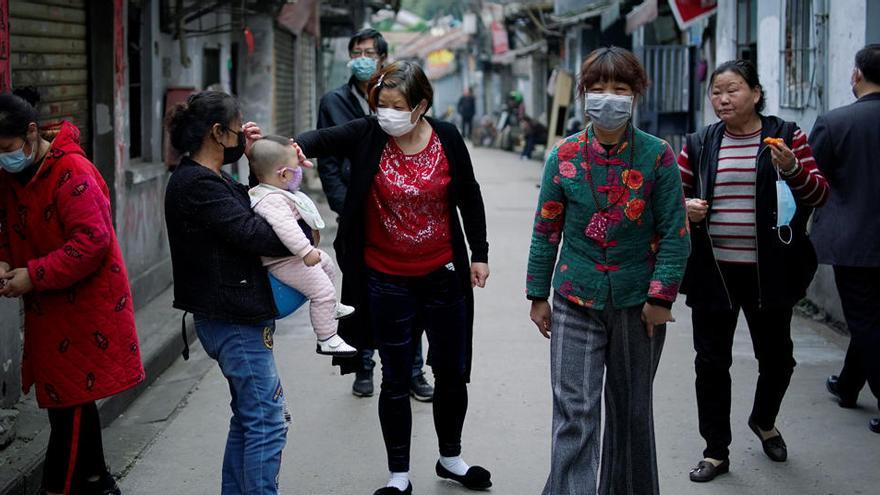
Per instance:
x=597, y=228
x=627, y=165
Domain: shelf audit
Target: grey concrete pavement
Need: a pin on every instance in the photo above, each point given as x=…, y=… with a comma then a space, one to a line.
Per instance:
x=335, y=447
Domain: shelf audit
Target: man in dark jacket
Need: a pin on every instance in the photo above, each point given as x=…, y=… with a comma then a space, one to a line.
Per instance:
x=367, y=51
x=846, y=232
x=467, y=107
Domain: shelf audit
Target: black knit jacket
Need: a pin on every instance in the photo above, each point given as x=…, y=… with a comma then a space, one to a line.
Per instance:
x=216, y=243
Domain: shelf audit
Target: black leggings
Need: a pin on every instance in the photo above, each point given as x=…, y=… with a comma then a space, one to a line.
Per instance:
x=75, y=450
x=396, y=305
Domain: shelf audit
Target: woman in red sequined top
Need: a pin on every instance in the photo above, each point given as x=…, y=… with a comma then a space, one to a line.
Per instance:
x=405, y=263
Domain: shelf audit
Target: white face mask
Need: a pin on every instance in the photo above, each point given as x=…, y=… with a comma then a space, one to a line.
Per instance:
x=608, y=111
x=395, y=122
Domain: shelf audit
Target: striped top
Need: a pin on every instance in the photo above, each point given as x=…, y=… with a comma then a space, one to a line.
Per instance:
x=732, y=215
x=732, y=212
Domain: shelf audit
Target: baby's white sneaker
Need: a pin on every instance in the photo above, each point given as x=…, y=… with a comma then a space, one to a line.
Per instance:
x=343, y=310
x=335, y=346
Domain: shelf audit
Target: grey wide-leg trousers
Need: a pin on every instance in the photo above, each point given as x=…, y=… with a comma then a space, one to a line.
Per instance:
x=587, y=345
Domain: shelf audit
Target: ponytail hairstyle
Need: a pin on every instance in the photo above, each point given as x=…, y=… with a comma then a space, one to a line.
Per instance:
x=18, y=111
x=188, y=123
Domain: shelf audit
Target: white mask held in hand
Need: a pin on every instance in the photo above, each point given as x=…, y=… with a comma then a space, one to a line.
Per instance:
x=395, y=122
x=608, y=111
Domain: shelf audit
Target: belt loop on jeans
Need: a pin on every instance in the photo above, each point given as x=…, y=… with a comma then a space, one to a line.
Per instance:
x=185, y=352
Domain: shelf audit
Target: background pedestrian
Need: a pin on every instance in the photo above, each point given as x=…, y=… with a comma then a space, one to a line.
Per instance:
x=368, y=52
x=846, y=231
x=467, y=108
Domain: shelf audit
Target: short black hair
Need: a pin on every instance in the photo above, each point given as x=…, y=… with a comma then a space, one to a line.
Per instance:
x=746, y=70
x=370, y=34
x=188, y=123
x=17, y=111
x=868, y=62
x=612, y=63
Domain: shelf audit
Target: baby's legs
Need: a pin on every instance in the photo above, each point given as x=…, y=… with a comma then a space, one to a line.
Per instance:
x=316, y=284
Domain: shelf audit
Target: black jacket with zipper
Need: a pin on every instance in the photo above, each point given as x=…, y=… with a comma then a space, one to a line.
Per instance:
x=362, y=142
x=784, y=270
x=216, y=242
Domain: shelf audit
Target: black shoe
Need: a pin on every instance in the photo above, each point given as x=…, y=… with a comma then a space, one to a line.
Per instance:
x=363, y=384
x=774, y=447
x=874, y=425
x=476, y=478
x=420, y=389
x=833, y=386
x=390, y=490
x=105, y=485
x=706, y=471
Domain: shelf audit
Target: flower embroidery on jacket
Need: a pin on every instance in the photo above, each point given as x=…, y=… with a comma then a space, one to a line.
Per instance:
x=567, y=169
x=551, y=209
x=567, y=151
x=635, y=208
x=633, y=179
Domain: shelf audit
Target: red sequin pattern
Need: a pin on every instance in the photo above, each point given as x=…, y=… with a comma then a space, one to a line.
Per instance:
x=408, y=211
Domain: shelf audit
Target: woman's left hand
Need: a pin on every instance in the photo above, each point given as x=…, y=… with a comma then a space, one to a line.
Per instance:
x=479, y=274
x=654, y=315
x=782, y=156
x=252, y=133
x=18, y=283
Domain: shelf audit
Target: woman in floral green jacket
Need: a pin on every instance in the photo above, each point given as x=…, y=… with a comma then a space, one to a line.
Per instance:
x=612, y=197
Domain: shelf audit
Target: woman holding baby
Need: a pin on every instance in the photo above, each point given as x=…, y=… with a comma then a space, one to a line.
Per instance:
x=216, y=246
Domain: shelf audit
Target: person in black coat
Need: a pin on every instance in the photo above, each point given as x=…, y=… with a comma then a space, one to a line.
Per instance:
x=216, y=242
x=368, y=51
x=467, y=108
x=749, y=200
x=404, y=259
x=846, y=231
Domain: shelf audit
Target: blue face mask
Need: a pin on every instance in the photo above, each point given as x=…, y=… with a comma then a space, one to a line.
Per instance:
x=785, y=210
x=16, y=161
x=362, y=67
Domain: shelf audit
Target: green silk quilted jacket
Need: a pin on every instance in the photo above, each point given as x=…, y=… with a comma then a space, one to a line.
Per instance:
x=620, y=216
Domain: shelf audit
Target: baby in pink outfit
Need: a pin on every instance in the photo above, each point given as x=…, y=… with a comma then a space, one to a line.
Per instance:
x=296, y=221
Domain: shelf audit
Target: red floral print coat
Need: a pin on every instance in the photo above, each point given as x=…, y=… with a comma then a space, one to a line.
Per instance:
x=80, y=342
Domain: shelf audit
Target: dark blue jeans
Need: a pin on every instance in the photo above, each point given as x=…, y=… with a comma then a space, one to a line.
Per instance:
x=398, y=306
x=258, y=428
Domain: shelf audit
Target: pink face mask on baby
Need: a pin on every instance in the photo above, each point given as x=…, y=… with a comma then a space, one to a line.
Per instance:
x=296, y=181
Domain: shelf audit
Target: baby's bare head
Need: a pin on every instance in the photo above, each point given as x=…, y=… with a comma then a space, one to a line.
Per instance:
x=270, y=154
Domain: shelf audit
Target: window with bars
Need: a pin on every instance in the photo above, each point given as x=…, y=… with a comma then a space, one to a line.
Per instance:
x=747, y=30
x=798, y=55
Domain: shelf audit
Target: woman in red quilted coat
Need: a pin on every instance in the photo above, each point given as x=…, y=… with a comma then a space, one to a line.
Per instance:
x=58, y=251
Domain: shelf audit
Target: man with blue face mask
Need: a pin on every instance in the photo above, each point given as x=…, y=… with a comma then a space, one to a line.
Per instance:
x=368, y=52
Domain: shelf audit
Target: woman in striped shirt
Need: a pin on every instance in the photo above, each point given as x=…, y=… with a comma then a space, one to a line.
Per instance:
x=751, y=183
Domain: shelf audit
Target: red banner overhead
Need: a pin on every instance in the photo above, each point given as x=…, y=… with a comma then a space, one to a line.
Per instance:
x=688, y=12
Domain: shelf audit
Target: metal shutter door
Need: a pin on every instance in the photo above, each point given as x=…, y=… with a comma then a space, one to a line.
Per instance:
x=285, y=94
x=48, y=50
x=306, y=83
